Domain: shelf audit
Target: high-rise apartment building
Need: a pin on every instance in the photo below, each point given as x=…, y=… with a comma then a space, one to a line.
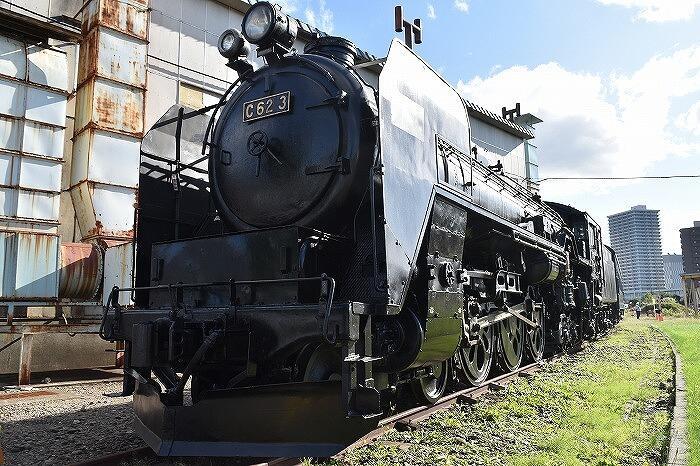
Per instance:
x=635, y=236
x=673, y=268
x=690, y=247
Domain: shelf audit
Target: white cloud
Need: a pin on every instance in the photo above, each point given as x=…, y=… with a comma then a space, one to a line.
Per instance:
x=288, y=6
x=462, y=5
x=642, y=123
x=658, y=10
x=598, y=125
x=321, y=19
x=431, y=11
x=690, y=120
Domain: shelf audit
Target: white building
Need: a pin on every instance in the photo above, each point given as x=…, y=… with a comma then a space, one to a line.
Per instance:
x=673, y=268
x=635, y=235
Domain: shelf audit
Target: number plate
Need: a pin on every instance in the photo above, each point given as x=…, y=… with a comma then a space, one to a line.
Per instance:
x=266, y=106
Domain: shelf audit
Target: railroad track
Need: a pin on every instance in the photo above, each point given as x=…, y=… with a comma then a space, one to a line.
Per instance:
x=404, y=420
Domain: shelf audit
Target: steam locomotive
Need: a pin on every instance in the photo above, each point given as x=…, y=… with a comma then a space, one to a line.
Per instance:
x=356, y=249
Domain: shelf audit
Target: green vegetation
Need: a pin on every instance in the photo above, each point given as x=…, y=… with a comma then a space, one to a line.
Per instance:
x=673, y=308
x=607, y=405
x=670, y=305
x=685, y=334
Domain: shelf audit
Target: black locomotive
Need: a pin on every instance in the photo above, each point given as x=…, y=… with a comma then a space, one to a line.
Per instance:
x=345, y=246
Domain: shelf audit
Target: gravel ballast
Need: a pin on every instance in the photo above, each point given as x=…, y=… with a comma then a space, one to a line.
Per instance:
x=76, y=424
x=607, y=405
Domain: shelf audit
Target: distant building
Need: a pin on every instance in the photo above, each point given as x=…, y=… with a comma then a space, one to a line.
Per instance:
x=636, y=238
x=690, y=247
x=691, y=291
x=673, y=268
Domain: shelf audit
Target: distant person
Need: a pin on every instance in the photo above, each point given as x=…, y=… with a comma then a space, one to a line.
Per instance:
x=638, y=310
x=659, y=314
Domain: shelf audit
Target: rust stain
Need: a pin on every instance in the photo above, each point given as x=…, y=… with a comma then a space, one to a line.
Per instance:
x=81, y=270
x=132, y=118
x=98, y=231
x=87, y=59
x=106, y=110
x=125, y=117
x=19, y=395
x=24, y=374
x=124, y=17
x=130, y=12
x=109, y=13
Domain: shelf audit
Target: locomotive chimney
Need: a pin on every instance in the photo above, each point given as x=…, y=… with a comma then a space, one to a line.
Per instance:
x=336, y=48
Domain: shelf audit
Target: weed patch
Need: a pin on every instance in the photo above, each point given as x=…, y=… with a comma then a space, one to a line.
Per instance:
x=685, y=334
x=608, y=405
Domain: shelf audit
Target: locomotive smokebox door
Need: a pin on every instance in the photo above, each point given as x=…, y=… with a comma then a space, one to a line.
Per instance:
x=412, y=113
x=293, y=146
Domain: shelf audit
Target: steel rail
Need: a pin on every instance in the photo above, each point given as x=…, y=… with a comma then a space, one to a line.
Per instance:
x=405, y=420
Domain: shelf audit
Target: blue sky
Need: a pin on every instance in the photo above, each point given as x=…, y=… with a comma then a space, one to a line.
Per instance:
x=617, y=83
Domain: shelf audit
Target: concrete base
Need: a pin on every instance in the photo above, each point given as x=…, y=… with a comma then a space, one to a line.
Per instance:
x=52, y=352
x=678, y=447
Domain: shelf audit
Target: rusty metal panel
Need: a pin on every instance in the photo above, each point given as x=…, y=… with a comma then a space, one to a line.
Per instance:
x=10, y=133
x=80, y=273
x=121, y=57
x=118, y=269
x=46, y=106
x=110, y=106
x=111, y=54
x=81, y=194
x=30, y=266
x=43, y=140
x=128, y=17
x=47, y=66
x=35, y=173
x=82, y=144
x=105, y=157
x=83, y=105
x=37, y=205
x=12, y=97
x=13, y=60
x=118, y=107
x=114, y=210
x=103, y=210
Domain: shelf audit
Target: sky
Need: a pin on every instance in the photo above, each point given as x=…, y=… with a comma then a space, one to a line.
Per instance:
x=616, y=82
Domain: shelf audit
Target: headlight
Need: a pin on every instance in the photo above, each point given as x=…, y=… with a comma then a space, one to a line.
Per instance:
x=232, y=45
x=258, y=22
x=271, y=30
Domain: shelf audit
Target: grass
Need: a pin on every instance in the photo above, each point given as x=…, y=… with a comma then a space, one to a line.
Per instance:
x=685, y=334
x=605, y=406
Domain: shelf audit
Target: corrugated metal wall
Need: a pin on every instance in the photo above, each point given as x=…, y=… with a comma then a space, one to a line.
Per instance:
x=34, y=87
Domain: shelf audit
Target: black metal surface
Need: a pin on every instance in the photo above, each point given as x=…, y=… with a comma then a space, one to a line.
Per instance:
x=299, y=419
x=314, y=164
x=218, y=259
x=313, y=247
x=445, y=299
